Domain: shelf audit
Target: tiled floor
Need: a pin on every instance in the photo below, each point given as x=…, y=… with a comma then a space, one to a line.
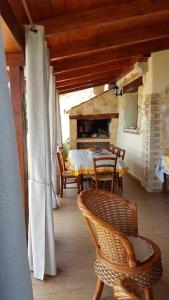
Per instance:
x=75, y=252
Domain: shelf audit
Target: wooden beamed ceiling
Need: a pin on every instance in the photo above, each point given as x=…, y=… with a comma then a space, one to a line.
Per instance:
x=92, y=77
x=96, y=42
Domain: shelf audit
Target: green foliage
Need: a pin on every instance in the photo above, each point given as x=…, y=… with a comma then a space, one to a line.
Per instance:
x=66, y=147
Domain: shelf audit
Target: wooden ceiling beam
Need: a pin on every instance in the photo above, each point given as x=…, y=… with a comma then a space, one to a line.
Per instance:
x=75, y=89
x=111, y=38
x=106, y=55
x=92, y=78
x=93, y=83
x=100, y=68
x=83, y=63
x=103, y=15
x=12, y=23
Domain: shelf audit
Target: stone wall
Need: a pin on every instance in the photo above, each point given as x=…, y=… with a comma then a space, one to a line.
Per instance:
x=151, y=142
x=105, y=103
x=101, y=104
x=164, y=122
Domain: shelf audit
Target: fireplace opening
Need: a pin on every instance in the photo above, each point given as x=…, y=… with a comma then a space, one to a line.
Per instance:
x=93, y=128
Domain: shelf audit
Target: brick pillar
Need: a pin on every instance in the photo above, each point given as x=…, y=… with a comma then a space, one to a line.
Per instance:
x=151, y=142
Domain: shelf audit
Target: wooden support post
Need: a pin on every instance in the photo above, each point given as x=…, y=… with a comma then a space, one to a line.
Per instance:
x=16, y=77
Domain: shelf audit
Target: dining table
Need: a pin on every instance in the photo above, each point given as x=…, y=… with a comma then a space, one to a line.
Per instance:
x=80, y=162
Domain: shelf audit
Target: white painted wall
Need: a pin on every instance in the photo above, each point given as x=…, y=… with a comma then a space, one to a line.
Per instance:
x=132, y=143
x=160, y=71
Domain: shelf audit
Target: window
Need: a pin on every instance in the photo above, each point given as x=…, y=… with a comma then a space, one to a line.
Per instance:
x=131, y=111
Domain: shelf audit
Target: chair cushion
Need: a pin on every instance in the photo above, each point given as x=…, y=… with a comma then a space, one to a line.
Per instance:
x=143, y=250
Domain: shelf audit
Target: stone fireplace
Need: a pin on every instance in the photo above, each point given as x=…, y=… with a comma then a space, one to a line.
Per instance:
x=93, y=128
x=94, y=122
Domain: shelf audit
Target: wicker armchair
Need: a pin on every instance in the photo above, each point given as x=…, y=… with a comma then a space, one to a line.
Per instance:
x=111, y=220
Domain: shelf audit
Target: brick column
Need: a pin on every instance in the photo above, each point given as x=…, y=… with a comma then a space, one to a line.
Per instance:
x=151, y=142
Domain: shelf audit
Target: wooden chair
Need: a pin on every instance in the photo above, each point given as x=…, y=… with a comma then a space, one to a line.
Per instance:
x=111, y=147
x=120, y=154
x=111, y=221
x=64, y=161
x=104, y=171
x=65, y=176
x=118, y=151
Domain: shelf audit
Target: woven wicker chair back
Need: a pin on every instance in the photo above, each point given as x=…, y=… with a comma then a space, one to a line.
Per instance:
x=112, y=209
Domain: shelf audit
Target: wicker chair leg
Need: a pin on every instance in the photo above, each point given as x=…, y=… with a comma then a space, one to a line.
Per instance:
x=148, y=294
x=98, y=290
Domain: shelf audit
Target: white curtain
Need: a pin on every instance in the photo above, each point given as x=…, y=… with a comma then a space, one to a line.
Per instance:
x=53, y=137
x=41, y=244
x=59, y=127
x=15, y=280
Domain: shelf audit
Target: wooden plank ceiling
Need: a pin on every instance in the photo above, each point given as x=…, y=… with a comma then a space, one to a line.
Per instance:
x=95, y=42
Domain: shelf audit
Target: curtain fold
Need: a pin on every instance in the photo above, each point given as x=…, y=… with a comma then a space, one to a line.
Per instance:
x=59, y=127
x=15, y=280
x=41, y=244
x=53, y=138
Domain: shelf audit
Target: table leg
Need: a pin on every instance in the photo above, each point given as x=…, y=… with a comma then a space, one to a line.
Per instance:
x=81, y=181
x=78, y=183
x=164, y=185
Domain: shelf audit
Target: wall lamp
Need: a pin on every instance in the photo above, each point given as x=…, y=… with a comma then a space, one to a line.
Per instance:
x=117, y=90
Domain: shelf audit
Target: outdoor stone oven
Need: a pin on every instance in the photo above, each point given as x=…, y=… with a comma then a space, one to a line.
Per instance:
x=94, y=122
